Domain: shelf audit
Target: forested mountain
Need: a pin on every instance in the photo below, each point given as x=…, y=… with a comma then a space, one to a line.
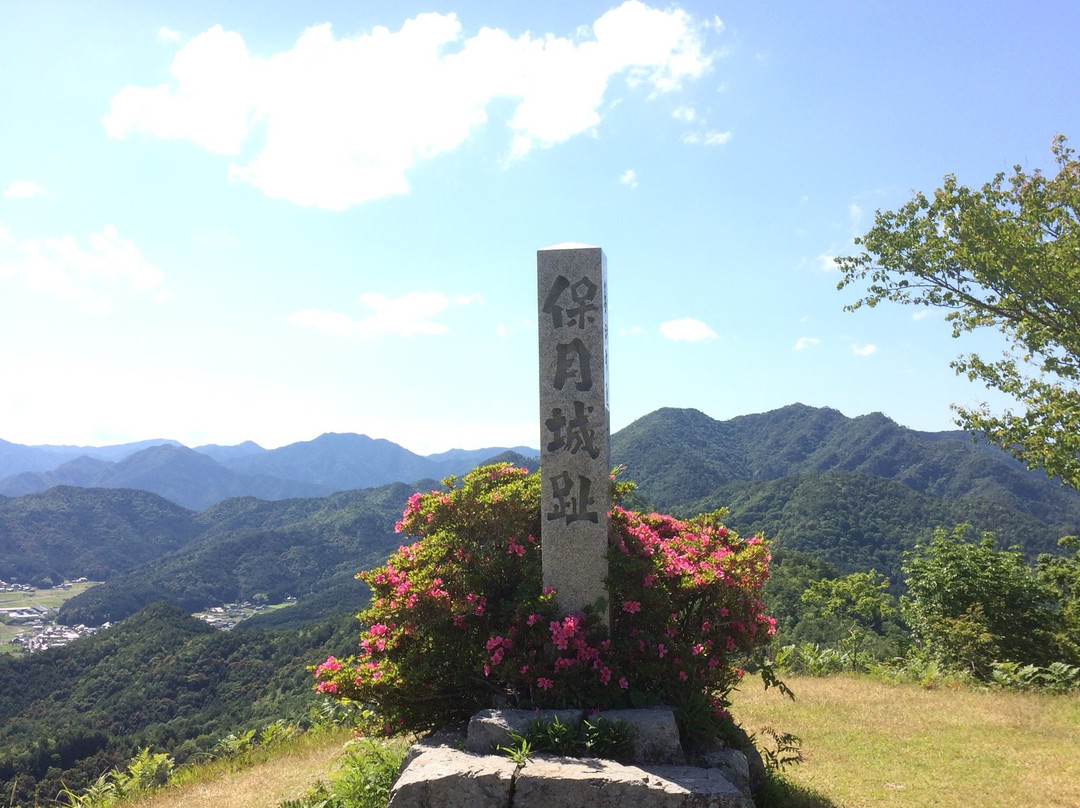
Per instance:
x=855, y=491
x=250, y=549
x=198, y=478
x=69, y=532
x=160, y=679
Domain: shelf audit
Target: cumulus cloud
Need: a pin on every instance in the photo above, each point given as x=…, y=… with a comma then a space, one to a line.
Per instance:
x=344, y=119
x=403, y=316
x=708, y=138
x=863, y=350
x=629, y=178
x=684, y=114
x=687, y=330
x=802, y=343
x=60, y=266
x=22, y=189
x=826, y=262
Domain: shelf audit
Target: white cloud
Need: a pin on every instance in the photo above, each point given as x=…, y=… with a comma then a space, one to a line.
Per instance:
x=687, y=330
x=684, y=114
x=629, y=178
x=709, y=138
x=806, y=342
x=168, y=35
x=863, y=350
x=826, y=262
x=631, y=332
x=23, y=189
x=922, y=314
x=60, y=266
x=345, y=119
x=403, y=316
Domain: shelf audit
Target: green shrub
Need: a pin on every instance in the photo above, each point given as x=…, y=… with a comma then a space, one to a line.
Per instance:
x=460, y=615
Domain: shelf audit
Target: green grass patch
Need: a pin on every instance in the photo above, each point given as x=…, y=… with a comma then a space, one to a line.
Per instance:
x=867, y=743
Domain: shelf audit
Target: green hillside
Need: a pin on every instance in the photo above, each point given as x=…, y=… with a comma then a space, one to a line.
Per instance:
x=69, y=532
x=255, y=550
x=161, y=679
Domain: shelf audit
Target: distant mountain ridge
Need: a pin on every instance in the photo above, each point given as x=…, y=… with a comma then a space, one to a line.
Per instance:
x=199, y=478
x=856, y=492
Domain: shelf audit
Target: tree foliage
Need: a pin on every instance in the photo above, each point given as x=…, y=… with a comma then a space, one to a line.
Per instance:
x=1005, y=256
x=859, y=603
x=970, y=604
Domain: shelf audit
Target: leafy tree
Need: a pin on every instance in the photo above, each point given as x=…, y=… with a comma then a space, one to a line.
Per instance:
x=970, y=604
x=1062, y=575
x=1005, y=256
x=860, y=603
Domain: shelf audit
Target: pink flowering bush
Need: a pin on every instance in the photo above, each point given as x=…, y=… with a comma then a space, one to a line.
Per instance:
x=459, y=618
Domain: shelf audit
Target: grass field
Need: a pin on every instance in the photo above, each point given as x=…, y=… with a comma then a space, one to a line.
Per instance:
x=49, y=598
x=283, y=776
x=867, y=743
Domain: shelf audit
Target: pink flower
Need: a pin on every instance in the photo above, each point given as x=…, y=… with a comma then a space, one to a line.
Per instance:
x=631, y=606
x=623, y=683
x=605, y=676
x=544, y=684
x=327, y=687
x=661, y=649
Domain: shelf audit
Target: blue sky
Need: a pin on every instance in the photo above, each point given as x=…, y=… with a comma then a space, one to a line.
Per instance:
x=222, y=222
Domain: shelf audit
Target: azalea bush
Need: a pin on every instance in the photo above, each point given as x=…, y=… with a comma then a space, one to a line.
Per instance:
x=459, y=618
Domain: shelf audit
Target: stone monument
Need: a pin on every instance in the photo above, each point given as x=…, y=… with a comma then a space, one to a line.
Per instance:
x=574, y=425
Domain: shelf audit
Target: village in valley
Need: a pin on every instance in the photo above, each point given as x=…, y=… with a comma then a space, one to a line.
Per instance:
x=27, y=621
x=28, y=616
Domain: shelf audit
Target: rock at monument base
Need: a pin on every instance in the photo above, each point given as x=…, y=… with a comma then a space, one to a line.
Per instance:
x=443, y=777
x=732, y=763
x=436, y=772
x=555, y=782
x=490, y=729
x=654, y=734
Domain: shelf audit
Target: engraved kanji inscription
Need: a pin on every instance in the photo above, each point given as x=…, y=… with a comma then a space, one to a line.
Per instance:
x=569, y=507
x=573, y=435
x=581, y=308
x=573, y=361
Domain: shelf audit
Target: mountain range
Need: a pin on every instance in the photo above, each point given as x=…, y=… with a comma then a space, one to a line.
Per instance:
x=855, y=492
x=198, y=478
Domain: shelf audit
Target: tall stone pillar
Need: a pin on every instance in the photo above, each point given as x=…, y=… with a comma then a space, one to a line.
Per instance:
x=574, y=424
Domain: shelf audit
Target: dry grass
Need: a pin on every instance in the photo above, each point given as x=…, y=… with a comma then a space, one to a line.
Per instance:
x=867, y=743
x=283, y=777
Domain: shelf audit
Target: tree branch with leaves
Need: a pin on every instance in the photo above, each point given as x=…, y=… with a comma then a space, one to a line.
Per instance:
x=1005, y=256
